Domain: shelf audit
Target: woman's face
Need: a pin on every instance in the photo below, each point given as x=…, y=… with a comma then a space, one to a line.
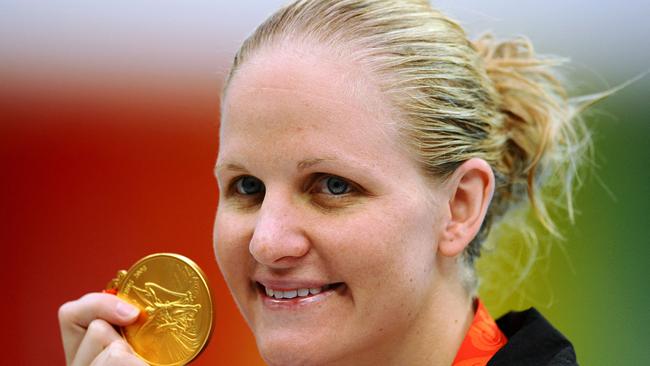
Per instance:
x=326, y=231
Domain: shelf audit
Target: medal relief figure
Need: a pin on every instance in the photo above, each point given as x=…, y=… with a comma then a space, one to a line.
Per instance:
x=170, y=314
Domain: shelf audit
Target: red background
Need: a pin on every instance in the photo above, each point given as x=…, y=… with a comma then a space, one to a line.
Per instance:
x=97, y=174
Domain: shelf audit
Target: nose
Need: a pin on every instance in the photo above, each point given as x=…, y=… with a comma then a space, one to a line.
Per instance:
x=278, y=240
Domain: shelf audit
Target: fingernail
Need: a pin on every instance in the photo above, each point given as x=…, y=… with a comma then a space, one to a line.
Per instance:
x=126, y=311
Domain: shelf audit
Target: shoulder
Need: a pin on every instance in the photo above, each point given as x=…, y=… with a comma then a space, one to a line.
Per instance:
x=532, y=341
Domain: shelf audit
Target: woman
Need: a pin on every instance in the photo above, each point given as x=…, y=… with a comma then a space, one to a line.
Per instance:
x=366, y=150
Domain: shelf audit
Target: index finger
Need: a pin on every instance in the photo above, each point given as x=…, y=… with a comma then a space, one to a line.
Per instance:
x=75, y=316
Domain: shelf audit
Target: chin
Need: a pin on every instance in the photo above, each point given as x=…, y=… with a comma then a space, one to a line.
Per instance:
x=294, y=349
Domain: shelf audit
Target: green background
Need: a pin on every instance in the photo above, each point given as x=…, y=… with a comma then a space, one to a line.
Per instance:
x=593, y=285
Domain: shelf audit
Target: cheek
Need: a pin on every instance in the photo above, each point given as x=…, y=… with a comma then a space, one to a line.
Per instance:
x=230, y=245
x=382, y=245
x=387, y=258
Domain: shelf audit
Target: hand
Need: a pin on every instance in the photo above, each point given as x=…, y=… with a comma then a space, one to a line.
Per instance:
x=88, y=334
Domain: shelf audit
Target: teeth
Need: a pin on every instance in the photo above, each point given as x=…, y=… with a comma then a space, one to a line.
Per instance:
x=290, y=294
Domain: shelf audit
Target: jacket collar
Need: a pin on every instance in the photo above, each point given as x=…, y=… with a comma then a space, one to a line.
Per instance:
x=532, y=341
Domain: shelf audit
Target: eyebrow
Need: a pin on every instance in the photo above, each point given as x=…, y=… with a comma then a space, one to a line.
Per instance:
x=308, y=163
x=302, y=165
x=229, y=166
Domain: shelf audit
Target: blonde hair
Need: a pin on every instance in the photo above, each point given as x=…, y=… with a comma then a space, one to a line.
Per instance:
x=489, y=99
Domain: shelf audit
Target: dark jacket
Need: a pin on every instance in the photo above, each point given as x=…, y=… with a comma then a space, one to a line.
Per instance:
x=532, y=341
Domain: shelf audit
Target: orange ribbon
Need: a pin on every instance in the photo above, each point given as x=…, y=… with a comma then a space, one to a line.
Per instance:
x=482, y=341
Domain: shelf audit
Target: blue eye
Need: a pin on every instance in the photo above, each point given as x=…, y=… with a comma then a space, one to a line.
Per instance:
x=337, y=186
x=248, y=185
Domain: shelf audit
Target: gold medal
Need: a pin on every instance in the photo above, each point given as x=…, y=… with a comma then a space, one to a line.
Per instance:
x=175, y=321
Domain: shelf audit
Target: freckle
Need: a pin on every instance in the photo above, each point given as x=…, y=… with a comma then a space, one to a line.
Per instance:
x=381, y=329
x=411, y=279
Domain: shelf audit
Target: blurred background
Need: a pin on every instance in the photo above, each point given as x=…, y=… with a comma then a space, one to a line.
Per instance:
x=108, y=137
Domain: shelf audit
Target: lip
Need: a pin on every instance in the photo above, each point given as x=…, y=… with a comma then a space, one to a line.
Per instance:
x=297, y=302
x=292, y=284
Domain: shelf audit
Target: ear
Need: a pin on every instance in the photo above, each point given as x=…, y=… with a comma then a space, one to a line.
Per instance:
x=471, y=187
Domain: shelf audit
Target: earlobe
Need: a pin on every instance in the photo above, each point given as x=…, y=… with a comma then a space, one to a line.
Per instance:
x=471, y=186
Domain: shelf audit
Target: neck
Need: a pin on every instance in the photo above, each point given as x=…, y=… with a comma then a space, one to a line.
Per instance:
x=437, y=336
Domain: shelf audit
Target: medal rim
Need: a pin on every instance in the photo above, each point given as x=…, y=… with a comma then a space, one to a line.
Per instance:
x=204, y=281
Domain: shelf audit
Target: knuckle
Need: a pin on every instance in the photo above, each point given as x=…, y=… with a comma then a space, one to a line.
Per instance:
x=114, y=353
x=88, y=297
x=99, y=330
x=67, y=312
x=117, y=353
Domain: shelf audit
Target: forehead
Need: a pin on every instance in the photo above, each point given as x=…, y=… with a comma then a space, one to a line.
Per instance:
x=306, y=97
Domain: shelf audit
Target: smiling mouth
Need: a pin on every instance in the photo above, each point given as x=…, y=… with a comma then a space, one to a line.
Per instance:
x=297, y=293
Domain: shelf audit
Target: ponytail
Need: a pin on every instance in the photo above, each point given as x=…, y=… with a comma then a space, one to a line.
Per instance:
x=544, y=139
